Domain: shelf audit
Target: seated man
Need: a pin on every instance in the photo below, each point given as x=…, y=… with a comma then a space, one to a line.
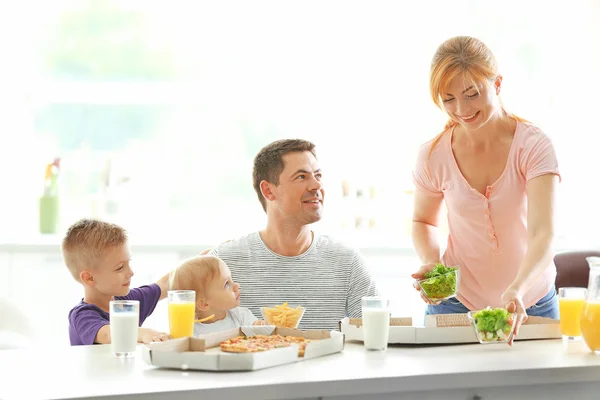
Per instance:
x=286, y=261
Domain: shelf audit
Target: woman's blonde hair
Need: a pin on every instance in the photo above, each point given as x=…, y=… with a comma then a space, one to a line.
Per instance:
x=461, y=55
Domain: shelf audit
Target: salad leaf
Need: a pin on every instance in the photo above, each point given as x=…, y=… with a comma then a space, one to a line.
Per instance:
x=493, y=323
x=440, y=282
x=439, y=270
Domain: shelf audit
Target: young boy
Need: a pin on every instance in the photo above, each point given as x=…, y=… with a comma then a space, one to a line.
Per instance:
x=97, y=255
x=216, y=293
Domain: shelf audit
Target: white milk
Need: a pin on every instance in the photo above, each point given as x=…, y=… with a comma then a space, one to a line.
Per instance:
x=124, y=331
x=376, y=328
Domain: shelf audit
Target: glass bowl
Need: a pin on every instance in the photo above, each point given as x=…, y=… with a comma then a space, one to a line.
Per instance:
x=441, y=287
x=492, y=325
x=283, y=316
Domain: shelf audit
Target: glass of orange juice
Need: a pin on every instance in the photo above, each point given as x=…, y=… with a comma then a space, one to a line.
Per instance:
x=590, y=317
x=570, y=303
x=182, y=310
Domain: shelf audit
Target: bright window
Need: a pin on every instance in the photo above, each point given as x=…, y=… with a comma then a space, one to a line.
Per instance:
x=157, y=108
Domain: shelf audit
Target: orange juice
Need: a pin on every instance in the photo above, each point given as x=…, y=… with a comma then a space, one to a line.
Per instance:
x=590, y=325
x=570, y=313
x=181, y=319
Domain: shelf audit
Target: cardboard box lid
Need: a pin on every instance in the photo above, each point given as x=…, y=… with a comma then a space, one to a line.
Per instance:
x=204, y=353
x=448, y=320
x=447, y=329
x=394, y=321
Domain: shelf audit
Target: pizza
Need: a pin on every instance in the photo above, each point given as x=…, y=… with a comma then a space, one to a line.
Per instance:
x=253, y=344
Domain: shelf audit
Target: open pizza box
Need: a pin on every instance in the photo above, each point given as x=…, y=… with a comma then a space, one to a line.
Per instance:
x=204, y=352
x=448, y=328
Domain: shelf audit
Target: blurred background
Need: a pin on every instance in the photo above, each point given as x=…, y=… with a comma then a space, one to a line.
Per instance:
x=156, y=110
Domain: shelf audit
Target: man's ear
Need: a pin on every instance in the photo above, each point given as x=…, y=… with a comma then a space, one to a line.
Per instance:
x=201, y=304
x=87, y=278
x=268, y=190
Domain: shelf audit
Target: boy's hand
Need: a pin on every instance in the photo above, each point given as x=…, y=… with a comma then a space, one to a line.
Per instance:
x=146, y=335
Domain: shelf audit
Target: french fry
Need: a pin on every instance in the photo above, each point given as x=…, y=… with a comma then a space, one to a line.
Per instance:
x=283, y=316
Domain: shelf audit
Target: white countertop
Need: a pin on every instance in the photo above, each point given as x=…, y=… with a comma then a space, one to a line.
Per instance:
x=91, y=371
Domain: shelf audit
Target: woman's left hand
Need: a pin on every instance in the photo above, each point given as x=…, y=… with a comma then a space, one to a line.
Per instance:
x=513, y=302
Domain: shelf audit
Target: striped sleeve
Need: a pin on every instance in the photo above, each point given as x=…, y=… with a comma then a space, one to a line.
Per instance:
x=361, y=284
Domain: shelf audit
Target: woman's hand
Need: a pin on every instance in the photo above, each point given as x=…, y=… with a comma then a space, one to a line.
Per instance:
x=420, y=274
x=513, y=302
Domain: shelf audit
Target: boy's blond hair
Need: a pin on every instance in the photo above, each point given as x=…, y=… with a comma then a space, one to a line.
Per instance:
x=86, y=241
x=195, y=274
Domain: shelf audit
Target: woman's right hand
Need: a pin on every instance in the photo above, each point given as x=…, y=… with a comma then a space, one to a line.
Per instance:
x=420, y=274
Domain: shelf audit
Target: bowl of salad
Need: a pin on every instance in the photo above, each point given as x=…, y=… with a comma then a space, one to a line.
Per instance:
x=493, y=325
x=440, y=283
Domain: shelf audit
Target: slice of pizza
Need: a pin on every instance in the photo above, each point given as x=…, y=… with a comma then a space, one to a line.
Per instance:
x=235, y=345
x=300, y=341
x=252, y=344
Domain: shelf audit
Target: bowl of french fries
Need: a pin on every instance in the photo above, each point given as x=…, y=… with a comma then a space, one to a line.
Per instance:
x=283, y=316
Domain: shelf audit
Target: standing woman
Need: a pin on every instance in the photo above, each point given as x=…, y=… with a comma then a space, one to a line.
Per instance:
x=497, y=174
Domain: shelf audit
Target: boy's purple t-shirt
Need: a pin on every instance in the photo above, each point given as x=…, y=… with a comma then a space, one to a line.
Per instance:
x=85, y=320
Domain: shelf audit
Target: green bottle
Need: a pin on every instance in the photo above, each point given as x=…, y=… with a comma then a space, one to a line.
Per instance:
x=49, y=213
x=49, y=204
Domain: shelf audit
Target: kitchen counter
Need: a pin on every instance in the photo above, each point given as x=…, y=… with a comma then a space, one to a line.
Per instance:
x=530, y=369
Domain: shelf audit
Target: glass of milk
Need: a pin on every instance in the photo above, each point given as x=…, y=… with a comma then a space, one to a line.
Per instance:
x=375, y=322
x=124, y=323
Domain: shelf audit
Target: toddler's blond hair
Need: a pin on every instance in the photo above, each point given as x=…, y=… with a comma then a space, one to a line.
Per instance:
x=195, y=274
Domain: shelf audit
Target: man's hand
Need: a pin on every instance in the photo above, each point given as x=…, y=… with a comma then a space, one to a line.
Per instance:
x=513, y=302
x=146, y=335
x=420, y=274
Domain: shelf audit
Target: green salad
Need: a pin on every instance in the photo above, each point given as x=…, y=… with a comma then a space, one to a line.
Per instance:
x=493, y=324
x=440, y=282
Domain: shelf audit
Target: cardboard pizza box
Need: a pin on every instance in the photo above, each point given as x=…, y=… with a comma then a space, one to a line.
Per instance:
x=448, y=329
x=204, y=352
